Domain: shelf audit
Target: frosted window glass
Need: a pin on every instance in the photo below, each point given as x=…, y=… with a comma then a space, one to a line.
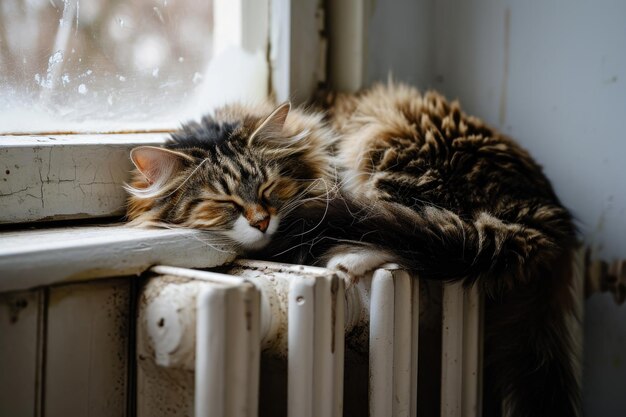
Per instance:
x=106, y=65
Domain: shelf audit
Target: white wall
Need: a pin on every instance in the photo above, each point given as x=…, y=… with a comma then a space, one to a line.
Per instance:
x=552, y=74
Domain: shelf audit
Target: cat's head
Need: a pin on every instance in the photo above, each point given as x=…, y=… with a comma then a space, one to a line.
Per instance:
x=237, y=174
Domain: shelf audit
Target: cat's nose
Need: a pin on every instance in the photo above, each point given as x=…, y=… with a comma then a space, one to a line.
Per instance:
x=258, y=217
x=261, y=224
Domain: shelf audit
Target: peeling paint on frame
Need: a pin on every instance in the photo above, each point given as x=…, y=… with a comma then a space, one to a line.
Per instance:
x=65, y=177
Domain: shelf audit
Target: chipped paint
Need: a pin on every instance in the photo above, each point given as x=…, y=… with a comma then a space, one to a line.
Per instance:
x=168, y=319
x=63, y=177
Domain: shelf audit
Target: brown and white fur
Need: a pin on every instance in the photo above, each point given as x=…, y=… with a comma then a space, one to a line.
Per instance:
x=390, y=176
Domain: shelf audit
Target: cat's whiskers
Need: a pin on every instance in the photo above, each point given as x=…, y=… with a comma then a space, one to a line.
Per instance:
x=294, y=247
x=145, y=193
x=298, y=200
x=187, y=178
x=285, y=211
x=217, y=239
x=323, y=216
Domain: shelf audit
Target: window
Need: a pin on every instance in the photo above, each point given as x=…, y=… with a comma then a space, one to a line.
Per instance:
x=84, y=81
x=106, y=65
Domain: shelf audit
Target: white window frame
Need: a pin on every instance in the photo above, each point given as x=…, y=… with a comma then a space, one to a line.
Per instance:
x=64, y=177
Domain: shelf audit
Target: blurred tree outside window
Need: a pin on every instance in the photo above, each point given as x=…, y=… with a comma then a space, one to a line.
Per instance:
x=115, y=65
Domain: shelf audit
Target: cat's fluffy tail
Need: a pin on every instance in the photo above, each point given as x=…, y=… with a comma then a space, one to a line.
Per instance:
x=522, y=268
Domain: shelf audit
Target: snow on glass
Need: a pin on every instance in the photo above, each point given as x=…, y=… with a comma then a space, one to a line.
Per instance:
x=100, y=65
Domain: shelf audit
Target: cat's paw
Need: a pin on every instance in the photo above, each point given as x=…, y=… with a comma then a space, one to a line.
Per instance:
x=353, y=263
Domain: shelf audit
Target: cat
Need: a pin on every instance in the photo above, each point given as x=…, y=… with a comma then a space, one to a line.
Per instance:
x=236, y=173
x=389, y=175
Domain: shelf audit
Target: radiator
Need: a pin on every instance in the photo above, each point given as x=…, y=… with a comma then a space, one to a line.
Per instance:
x=250, y=339
x=201, y=335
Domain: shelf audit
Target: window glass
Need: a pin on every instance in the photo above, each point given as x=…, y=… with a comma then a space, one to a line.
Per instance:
x=112, y=65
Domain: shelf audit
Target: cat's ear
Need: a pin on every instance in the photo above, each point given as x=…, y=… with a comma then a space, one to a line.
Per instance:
x=273, y=124
x=158, y=164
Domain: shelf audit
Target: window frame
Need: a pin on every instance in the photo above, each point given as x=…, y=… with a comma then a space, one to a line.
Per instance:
x=77, y=176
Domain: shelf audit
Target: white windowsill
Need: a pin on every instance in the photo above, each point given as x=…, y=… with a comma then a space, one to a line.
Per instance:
x=59, y=177
x=32, y=258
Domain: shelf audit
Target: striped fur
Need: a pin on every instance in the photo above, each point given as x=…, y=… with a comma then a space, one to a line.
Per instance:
x=243, y=170
x=441, y=193
x=410, y=179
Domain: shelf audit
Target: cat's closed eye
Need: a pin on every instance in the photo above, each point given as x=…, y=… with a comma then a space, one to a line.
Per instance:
x=280, y=191
x=265, y=192
x=229, y=204
x=210, y=214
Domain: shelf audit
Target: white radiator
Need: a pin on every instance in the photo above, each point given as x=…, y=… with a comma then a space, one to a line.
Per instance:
x=217, y=324
x=254, y=339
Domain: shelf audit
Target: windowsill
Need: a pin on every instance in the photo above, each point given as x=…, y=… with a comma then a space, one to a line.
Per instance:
x=32, y=258
x=66, y=176
x=29, y=141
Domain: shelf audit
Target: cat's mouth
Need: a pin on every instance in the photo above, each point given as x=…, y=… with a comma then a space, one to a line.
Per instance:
x=250, y=237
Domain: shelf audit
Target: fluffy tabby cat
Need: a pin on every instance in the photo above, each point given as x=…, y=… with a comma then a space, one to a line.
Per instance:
x=389, y=175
